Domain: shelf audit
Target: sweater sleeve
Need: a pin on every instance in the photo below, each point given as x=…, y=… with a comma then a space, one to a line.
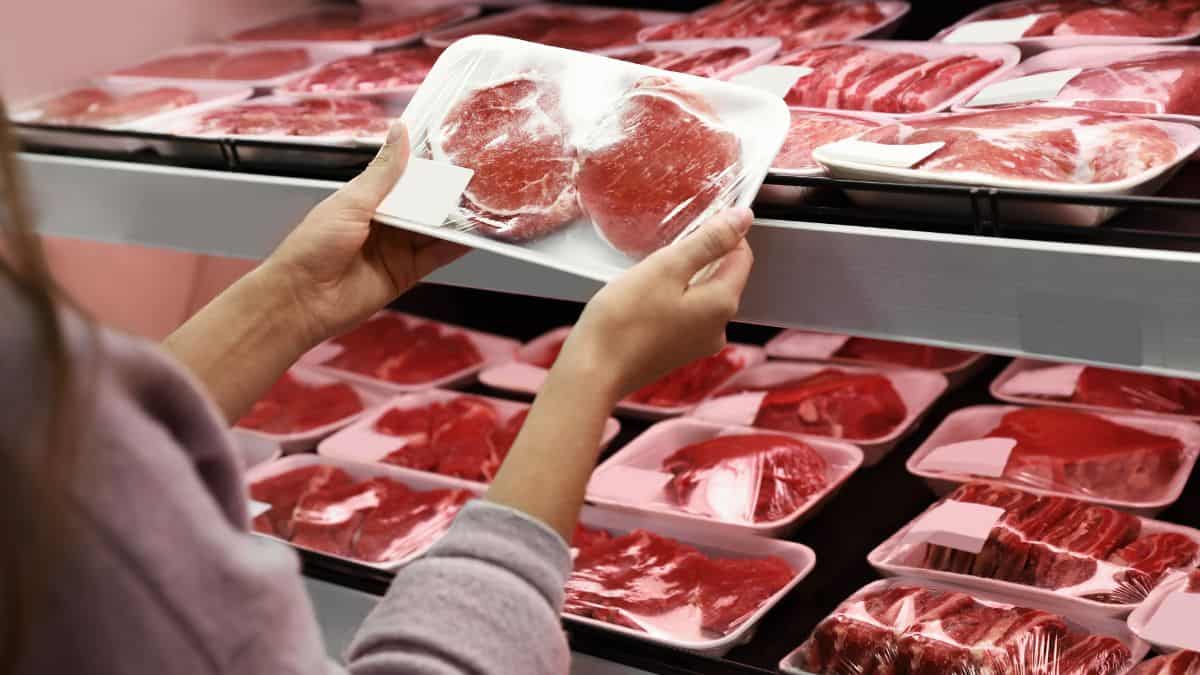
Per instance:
x=485, y=599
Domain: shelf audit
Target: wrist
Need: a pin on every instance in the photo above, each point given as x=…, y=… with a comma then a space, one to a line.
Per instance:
x=279, y=304
x=582, y=364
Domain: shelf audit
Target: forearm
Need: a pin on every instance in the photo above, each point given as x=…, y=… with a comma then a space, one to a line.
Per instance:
x=242, y=342
x=547, y=471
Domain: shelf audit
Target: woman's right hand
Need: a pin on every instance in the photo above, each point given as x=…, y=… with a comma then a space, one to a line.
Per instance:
x=659, y=316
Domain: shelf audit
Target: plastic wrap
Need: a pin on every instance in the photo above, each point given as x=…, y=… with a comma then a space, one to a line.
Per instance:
x=437, y=431
x=372, y=26
x=1101, y=389
x=1160, y=82
x=1132, y=463
x=584, y=163
x=675, y=394
x=1051, y=24
x=1050, y=548
x=898, y=78
x=399, y=353
x=798, y=23
x=1067, y=151
x=690, y=470
x=1179, y=663
x=394, y=73
x=805, y=345
x=870, y=408
x=570, y=27
x=716, y=58
x=910, y=626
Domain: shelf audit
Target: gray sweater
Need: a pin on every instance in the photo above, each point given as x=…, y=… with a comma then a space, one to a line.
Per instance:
x=160, y=574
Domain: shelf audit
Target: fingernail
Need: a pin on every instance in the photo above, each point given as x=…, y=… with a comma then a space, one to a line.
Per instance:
x=742, y=219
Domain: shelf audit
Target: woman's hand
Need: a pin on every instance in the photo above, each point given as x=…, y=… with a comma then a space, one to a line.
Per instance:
x=340, y=268
x=660, y=316
x=656, y=317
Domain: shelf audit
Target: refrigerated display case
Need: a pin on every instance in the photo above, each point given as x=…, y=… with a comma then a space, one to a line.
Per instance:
x=1121, y=295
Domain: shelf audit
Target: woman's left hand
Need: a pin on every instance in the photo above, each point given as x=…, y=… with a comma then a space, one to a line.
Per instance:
x=339, y=267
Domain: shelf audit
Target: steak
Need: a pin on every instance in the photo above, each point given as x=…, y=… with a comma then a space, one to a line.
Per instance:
x=1130, y=18
x=391, y=348
x=349, y=25
x=835, y=404
x=291, y=406
x=95, y=106
x=220, y=64
x=1088, y=455
x=68, y=107
x=1137, y=391
x=513, y=135
x=327, y=519
x=1179, y=663
x=794, y=22
x=566, y=28
x=691, y=383
x=810, y=130
x=368, y=73
x=406, y=522
x=704, y=62
x=902, y=354
x=853, y=77
x=1037, y=144
x=658, y=161
x=302, y=118
x=788, y=473
x=463, y=437
x=284, y=492
x=1157, y=83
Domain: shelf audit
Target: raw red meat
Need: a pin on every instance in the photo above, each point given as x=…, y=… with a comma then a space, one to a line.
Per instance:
x=691, y=383
x=292, y=406
x=1037, y=144
x=95, y=106
x=1073, y=547
x=852, y=77
x=704, y=62
x=220, y=64
x=328, y=518
x=787, y=471
x=513, y=135
x=642, y=580
x=1153, y=554
x=565, y=28
x=463, y=437
x=810, y=130
x=1088, y=455
x=1179, y=663
x=902, y=354
x=68, y=107
x=1194, y=582
x=587, y=537
x=1137, y=391
x=368, y=73
x=1165, y=82
x=908, y=629
x=1132, y=18
x=406, y=522
x=833, y=403
x=302, y=118
x=504, y=437
x=796, y=22
x=660, y=159
x=284, y=492
x=391, y=348
x=350, y=24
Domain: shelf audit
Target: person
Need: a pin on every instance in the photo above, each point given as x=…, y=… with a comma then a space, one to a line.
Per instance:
x=125, y=517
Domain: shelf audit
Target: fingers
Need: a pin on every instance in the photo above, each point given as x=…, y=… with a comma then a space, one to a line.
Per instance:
x=720, y=295
x=716, y=238
x=368, y=188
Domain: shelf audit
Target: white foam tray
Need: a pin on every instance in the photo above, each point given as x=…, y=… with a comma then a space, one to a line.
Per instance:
x=975, y=422
x=918, y=389
x=1139, y=620
x=648, y=451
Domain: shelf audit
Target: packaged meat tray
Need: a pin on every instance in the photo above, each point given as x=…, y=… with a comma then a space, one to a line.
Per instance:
x=1038, y=25
x=255, y=66
x=443, y=432
x=394, y=74
x=601, y=163
x=802, y=345
x=811, y=128
x=299, y=410
x=728, y=478
x=568, y=26
x=1172, y=604
x=1040, y=548
x=397, y=353
x=1059, y=150
x=720, y=59
x=1179, y=663
x=1031, y=382
x=371, y=515
x=676, y=584
x=1137, y=464
x=1158, y=82
x=675, y=394
x=908, y=625
x=798, y=23
x=896, y=78
x=355, y=27
x=871, y=408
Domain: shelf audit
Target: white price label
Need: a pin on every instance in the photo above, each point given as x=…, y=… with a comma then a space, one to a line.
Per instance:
x=776, y=80
x=958, y=525
x=1175, y=622
x=426, y=193
x=737, y=409
x=992, y=30
x=257, y=508
x=629, y=484
x=983, y=457
x=1052, y=382
x=1039, y=87
x=880, y=154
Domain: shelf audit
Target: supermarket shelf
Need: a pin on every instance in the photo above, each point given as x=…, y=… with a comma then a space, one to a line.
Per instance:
x=1133, y=307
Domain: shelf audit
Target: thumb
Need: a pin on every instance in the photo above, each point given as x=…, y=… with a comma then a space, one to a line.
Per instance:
x=369, y=188
x=713, y=240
